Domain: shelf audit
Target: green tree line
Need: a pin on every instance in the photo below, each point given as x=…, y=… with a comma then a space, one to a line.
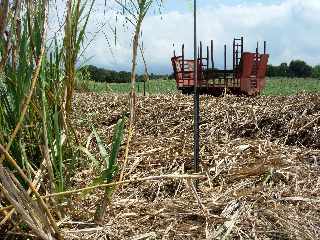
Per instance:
x=110, y=76
x=296, y=68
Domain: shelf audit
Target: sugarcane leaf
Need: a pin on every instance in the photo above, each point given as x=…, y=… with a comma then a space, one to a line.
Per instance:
x=89, y=155
x=102, y=149
x=112, y=167
x=116, y=141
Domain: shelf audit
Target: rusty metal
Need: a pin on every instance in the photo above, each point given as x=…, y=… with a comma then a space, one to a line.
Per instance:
x=237, y=53
x=247, y=75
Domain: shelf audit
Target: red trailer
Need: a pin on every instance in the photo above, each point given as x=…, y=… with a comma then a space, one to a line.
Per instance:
x=247, y=75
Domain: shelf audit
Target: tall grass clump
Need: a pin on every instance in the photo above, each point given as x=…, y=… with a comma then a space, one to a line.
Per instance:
x=36, y=87
x=74, y=36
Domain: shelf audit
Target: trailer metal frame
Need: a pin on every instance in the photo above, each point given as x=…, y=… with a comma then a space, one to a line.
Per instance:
x=247, y=75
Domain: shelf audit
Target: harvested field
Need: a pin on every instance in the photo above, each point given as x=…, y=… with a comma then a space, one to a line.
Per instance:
x=261, y=157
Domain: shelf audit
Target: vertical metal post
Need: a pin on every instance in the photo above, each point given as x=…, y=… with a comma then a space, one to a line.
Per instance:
x=225, y=57
x=234, y=59
x=257, y=58
x=201, y=56
x=238, y=81
x=212, y=62
x=196, y=97
x=207, y=57
x=234, y=55
x=264, y=47
x=182, y=63
x=225, y=65
x=208, y=63
x=200, y=64
x=241, y=46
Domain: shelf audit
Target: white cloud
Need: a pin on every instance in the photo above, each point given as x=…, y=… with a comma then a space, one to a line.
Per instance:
x=289, y=27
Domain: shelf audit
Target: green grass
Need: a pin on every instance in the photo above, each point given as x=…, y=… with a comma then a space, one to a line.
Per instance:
x=152, y=87
x=274, y=86
x=290, y=86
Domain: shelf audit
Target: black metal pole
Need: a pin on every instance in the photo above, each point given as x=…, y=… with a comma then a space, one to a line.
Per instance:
x=182, y=67
x=212, y=61
x=225, y=58
x=207, y=57
x=241, y=46
x=225, y=68
x=234, y=55
x=196, y=97
x=201, y=54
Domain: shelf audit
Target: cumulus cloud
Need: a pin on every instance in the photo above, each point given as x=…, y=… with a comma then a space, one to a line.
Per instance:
x=290, y=27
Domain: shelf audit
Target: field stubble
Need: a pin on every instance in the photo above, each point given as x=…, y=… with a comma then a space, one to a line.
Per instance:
x=261, y=156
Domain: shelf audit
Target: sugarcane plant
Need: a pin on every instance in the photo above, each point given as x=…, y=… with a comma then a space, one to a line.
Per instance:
x=74, y=35
x=110, y=169
x=135, y=12
x=36, y=86
x=22, y=48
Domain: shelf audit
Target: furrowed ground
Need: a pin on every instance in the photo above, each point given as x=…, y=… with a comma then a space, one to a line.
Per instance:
x=260, y=155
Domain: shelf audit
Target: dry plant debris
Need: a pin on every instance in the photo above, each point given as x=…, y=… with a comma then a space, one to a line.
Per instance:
x=261, y=156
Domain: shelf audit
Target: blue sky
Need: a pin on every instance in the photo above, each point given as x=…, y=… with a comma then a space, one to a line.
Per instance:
x=291, y=28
